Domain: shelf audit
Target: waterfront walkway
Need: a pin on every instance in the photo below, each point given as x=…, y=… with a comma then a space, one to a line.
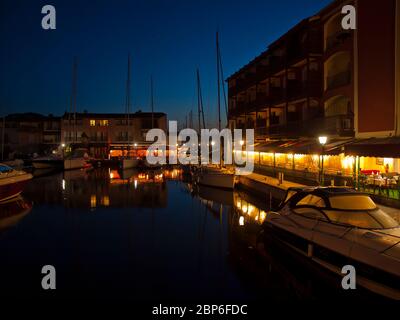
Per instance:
x=262, y=184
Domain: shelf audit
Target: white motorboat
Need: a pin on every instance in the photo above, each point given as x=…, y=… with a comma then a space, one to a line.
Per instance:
x=12, y=182
x=48, y=162
x=216, y=177
x=339, y=226
x=79, y=159
x=129, y=163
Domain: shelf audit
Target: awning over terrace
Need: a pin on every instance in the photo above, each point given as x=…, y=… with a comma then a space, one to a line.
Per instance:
x=375, y=147
x=333, y=147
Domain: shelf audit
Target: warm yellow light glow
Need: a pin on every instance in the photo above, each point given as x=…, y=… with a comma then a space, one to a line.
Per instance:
x=93, y=201
x=244, y=208
x=263, y=215
x=241, y=221
x=250, y=209
x=322, y=139
x=105, y=201
x=348, y=162
x=388, y=161
x=241, y=142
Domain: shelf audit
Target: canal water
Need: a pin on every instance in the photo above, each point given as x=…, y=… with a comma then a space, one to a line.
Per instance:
x=149, y=236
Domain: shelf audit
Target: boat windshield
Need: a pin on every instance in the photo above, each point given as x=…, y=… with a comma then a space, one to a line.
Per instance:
x=372, y=219
x=352, y=202
x=5, y=169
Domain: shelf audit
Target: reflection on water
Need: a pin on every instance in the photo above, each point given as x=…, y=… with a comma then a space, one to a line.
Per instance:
x=12, y=211
x=146, y=235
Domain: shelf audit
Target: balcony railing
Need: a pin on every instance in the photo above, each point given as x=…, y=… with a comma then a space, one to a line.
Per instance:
x=341, y=125
x=261, y=132
x=338, y=80
x=337, y=39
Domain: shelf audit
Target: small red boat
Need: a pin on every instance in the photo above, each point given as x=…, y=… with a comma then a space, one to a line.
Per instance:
x=12, y=182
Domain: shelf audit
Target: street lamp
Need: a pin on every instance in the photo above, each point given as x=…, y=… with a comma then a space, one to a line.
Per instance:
x=322, y=140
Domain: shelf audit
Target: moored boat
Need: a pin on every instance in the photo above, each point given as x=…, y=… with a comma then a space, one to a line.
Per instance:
x=216, y=177
x=78, y=160
x=334, y=227
x=129, y=163
x=48, y=162
x=12, y=182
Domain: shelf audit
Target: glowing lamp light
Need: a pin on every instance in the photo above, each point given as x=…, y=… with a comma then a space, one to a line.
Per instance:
x=241, y=221
x=63, y=145
x=322, y=140
x=241, y=142
x=212, y=143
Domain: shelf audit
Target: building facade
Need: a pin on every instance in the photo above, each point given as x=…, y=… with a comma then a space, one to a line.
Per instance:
x=110, y=134
x=321, y=79
x=28, y=133
x=105, y=135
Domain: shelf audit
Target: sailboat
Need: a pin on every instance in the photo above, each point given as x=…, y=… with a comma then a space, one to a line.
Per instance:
x=145, y=162
x=78, y=159
x=219, y=176
x=128, y=162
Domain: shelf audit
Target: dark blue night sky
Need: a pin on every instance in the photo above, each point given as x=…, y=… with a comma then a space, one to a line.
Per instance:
x=168, y=39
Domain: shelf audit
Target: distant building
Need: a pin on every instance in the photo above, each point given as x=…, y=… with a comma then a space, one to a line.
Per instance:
x=109, y=134
x=28, y=133
x=103, y=134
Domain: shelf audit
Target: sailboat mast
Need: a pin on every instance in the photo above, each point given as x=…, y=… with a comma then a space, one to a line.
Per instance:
x=72, y=109
x=200, y=102
x=152, y=102
x=128, y=98
x=198, y=99
x=2, y=137
x=218, y=86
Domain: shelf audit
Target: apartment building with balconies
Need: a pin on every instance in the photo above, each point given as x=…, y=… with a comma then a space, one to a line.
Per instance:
x=280, y=90
x=321, y=79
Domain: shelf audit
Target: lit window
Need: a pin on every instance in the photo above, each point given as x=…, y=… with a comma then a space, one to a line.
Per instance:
x=104, y=123
x=92, y=123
